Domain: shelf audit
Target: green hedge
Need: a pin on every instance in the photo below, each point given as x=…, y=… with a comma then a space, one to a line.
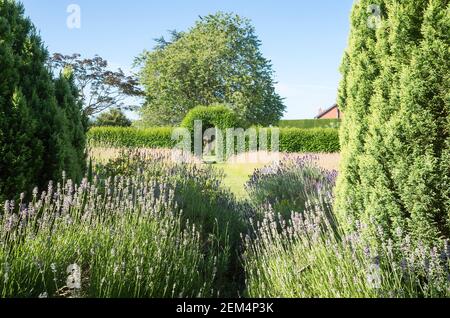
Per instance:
x=158, y=137
x=309, y=140
x=310, y=123
x=291, y=139
x=211, y=116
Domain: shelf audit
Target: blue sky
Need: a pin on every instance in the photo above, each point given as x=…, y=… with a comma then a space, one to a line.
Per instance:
x=304, y=39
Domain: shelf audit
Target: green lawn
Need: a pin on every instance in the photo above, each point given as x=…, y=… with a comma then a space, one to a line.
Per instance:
x=237, y=175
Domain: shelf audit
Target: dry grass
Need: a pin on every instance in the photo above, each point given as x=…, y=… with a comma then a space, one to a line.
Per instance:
x=103, y=155
x=324, y=160
x=328, y=161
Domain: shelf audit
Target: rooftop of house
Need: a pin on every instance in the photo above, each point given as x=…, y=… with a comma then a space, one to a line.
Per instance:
x=322, y=112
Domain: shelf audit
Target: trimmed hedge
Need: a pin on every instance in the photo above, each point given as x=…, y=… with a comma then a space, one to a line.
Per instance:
x=291, y=139
x=211, y=116
x=158, y=137
x=310, y=123
x=309, y=140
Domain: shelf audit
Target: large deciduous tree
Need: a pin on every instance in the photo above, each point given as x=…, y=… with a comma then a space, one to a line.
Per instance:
x=216, y=61
x=395, y=94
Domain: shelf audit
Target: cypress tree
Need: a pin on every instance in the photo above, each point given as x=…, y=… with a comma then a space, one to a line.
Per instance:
x=401, y=171
x=72, y=127
x=38, y=132
x=360, y=68
x=16, y=146
x=20, y=151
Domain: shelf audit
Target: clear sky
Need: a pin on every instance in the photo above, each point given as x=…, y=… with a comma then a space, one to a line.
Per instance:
x=304, y=39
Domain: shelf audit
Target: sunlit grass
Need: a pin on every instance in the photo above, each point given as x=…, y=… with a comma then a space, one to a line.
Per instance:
x=237, y=175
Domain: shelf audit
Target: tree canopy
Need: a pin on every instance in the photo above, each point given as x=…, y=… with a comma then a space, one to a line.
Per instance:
x=99, y=87
x=113, y=118
x=216, y=61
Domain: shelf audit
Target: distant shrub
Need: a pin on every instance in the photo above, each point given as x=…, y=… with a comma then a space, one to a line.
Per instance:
x=310, y=123
x=113, y=118
x=219, y=116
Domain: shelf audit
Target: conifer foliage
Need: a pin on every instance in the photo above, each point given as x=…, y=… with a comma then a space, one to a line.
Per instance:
x=41, y=126
x=395, y=137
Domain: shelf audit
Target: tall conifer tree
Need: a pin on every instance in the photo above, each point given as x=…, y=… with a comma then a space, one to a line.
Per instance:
x=73, y=127
x=38, y=136
x=398, y=177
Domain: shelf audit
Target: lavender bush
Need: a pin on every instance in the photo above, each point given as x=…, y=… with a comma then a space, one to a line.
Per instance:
x=287, y=186
x=128, y=235
x=200, y=199
x=310, y=255
x=142, y=225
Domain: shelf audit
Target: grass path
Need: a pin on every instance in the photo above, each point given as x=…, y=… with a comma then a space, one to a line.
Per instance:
x=237, y=175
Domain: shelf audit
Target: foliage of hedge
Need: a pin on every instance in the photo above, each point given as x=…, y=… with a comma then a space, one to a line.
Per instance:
x=309, y=140
x=291, y=139
x=158, y=137
x=310, y=123
x=211, y=116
